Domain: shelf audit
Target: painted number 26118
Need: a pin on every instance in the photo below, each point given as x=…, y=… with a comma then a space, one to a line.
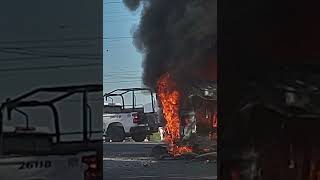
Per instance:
x=35, y=164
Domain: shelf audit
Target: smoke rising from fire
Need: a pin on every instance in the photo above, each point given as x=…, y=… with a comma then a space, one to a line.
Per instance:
x=176, y=36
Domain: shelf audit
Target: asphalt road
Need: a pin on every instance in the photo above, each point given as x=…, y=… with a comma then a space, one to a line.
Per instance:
x=130, y=160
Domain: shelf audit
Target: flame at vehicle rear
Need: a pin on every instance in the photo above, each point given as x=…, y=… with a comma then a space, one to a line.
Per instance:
x=169, y=96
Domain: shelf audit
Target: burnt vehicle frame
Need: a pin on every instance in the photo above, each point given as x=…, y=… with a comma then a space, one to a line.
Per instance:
x=199, y=108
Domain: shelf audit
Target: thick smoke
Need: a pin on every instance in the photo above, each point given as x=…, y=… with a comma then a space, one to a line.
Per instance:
x=176, y=36
x=132, y=4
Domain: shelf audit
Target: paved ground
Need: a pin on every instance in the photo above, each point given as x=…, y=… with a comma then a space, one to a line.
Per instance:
x=130, y=160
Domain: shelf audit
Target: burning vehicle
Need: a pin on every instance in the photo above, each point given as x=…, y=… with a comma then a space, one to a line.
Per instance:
x=178, y=41
x=271, y=124
x=190, y=116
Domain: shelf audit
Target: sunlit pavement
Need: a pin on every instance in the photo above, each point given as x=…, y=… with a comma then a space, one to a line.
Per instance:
x=131, y=160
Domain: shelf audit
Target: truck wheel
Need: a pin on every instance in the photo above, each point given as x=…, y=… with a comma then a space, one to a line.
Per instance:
x=139, y=137
x=116, y=133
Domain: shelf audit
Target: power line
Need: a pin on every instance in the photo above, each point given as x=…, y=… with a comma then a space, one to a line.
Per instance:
x=52, y=40
x=122, y=21
x=23, y=59
x=111, y=82
x=54, y=46
x=40, y=57
x=121, y=76
x=49, y=67
x=47, y=54
x=119, y=37
x=125, y=79
x=63, y=40
x=24, y=51
x=121, y=15
x=115, y=12
x=122, y=71
x=113, y=2
x=117, y=41
x=112, y=39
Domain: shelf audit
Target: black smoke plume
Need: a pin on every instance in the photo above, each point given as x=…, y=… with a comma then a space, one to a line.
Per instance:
x=176, y=36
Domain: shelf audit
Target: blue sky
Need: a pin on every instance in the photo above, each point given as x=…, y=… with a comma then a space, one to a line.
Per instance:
x=121, y=61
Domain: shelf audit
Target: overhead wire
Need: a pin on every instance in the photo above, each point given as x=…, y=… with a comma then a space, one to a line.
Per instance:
x=44, y=54
x=48, y=46
x=50, y=40
x=7, y=42
x=38, y=58
x=21, y=49
x=48, y=67
x=121, y=71
x=110, y=82
x=113, y=2
x=44, y=57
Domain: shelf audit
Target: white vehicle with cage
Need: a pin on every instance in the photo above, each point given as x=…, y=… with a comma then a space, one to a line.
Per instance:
x=30, y=152
x=121, y=121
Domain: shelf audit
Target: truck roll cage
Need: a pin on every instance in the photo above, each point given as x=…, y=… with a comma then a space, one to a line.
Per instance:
x=13, y=104
x=121, y=92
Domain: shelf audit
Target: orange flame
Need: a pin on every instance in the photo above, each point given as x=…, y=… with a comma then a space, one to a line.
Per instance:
x=215, y=120
x=170, y=98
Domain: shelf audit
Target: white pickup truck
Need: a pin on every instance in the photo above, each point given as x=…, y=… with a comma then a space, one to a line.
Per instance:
x=121, y=121
x=31, y=152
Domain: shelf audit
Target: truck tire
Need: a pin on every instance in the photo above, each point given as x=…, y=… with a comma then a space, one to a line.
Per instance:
x=139, y=137
x=116, y=133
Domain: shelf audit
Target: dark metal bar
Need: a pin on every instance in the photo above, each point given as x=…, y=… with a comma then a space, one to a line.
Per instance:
x=90, y=120
x=122, y=102
x=133, y=100
x=62, y=96
x=1, y=129
x=56, y=121
x=110, y=98
x=85, y=116
x=25, y=95
x=110, y=92
x=88, y=88
x=152, y=103
x=124, y=91
x=25, y=115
